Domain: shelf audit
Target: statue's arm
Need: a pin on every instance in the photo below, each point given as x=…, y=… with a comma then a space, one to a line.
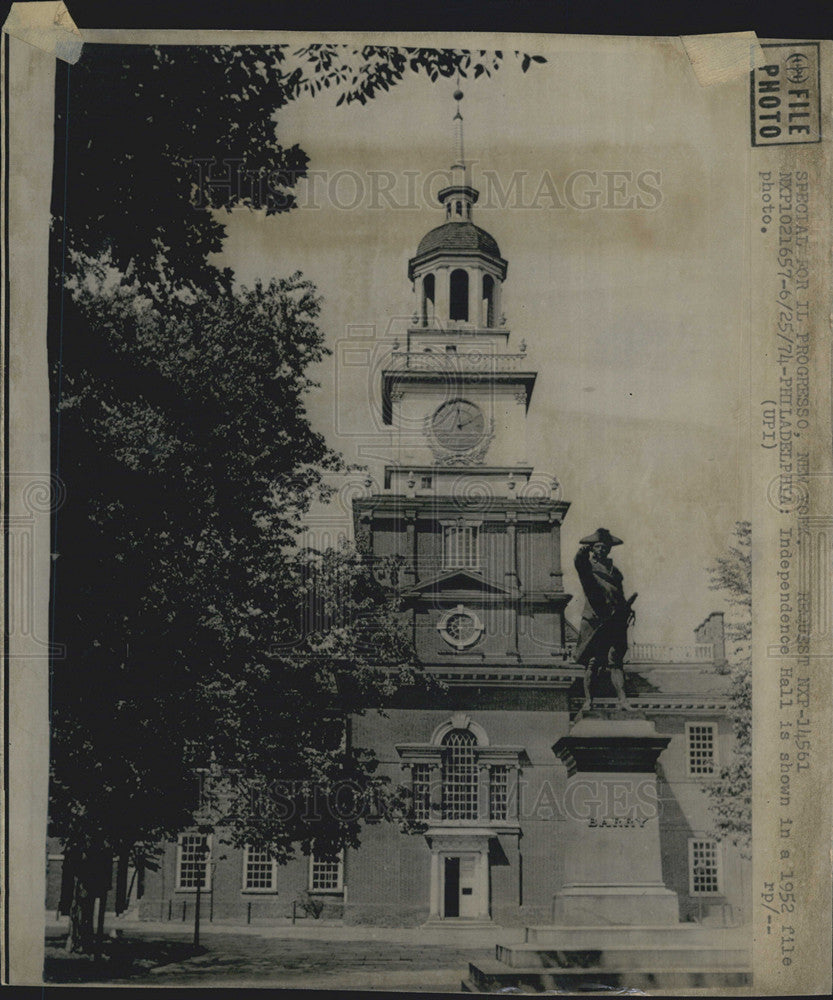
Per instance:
x=594, y=593
x=582, y=561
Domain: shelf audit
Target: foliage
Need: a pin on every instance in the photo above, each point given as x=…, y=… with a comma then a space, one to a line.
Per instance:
x=183, y=609
x=730, y=793
x=146, y=120
x=310, y=906
x=291, y=776
x=192, y=461
x=732, y=574
x=179, y=597
x=359, y=74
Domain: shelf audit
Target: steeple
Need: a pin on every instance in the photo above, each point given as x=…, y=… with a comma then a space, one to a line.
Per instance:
x=458, y=270
x=459, y=160
x=459, y=197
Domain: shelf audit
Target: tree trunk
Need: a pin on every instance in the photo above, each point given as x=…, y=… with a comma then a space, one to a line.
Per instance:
x=91, y=871
x=122, y=888
x=81, y=937
x=99, y=931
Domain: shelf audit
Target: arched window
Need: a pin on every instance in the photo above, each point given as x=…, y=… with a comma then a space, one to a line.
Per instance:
x=428, y=285
x=489, y=300
x=459, y=775
x=459, y=306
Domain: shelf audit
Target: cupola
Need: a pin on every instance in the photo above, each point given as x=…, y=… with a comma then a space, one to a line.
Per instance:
x=458, y=270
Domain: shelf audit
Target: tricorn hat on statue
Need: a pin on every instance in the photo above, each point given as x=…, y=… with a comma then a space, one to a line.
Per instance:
x=601, y=535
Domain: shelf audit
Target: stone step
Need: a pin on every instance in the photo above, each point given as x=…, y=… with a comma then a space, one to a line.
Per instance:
x=658, y=956
x=452, y=924
x=491, y=976
x=589, y=937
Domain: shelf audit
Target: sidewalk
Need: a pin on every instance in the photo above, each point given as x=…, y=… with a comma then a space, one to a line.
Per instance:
x=331, y=957
x=457, y=935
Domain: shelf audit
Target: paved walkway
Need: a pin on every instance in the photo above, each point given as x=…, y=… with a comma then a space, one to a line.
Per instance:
x=445, y=933
x=327, y=957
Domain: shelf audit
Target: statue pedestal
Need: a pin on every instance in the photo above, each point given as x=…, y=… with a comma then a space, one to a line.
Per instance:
x=612, y=850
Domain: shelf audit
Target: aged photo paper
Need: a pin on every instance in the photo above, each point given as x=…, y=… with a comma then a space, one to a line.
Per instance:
x=417, y=493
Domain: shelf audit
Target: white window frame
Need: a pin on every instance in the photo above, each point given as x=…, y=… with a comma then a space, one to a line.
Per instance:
x=458, y=524
x=313, y=860
x=701, y=774
x=206, y=887
x=421, y=807
x=247, y=851
x=460, y=776
x=718, y=867
x=503, y=787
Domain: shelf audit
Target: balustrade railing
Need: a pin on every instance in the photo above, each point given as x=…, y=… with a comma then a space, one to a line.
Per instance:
x=653, y=652
x=455, y=361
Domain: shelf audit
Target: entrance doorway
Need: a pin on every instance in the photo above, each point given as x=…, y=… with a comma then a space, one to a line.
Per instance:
x=459, y=874
x=459, y=897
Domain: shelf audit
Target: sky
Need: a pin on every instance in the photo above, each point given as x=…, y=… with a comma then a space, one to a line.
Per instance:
x=633, y=316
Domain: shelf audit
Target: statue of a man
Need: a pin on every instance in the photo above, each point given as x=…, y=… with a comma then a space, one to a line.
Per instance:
x=603, y=636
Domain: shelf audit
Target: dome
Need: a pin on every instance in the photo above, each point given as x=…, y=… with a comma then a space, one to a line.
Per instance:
x=458, y=237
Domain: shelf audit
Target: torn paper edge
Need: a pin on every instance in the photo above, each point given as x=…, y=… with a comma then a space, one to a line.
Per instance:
x=724, y=57
x=48, y=26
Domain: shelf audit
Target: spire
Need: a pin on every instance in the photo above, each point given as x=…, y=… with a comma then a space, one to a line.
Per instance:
x=459, y=158
x=459, y=196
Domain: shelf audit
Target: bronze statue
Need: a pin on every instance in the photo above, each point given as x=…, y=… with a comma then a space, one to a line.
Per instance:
x=603, y=636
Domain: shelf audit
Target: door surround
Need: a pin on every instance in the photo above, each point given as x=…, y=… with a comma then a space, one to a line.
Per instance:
x=457, y=844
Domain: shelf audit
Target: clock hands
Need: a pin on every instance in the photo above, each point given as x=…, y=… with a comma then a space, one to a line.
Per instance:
x=462, y=423
x=456, y=416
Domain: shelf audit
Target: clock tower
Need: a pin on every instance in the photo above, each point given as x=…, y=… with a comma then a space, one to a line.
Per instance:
x=479, y=531
x=516, y=816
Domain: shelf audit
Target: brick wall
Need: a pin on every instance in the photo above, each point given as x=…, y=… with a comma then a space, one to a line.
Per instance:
x=228, y=900
x=387, y=879
x=685, y=814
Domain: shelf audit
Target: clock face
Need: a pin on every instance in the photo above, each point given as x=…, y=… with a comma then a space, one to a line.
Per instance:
x=458, y=425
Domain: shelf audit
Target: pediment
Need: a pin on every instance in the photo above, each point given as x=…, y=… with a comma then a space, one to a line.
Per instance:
x=460, y=580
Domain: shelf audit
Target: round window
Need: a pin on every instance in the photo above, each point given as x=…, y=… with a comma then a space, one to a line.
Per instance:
x=460, y=627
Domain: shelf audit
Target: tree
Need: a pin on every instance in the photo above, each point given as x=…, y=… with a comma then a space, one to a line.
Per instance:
x=189, y=462
x=179, y=596
x=730, y=793
x=304, y=782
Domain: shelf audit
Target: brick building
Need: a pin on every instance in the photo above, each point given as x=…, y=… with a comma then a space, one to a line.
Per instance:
x=480, y=534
